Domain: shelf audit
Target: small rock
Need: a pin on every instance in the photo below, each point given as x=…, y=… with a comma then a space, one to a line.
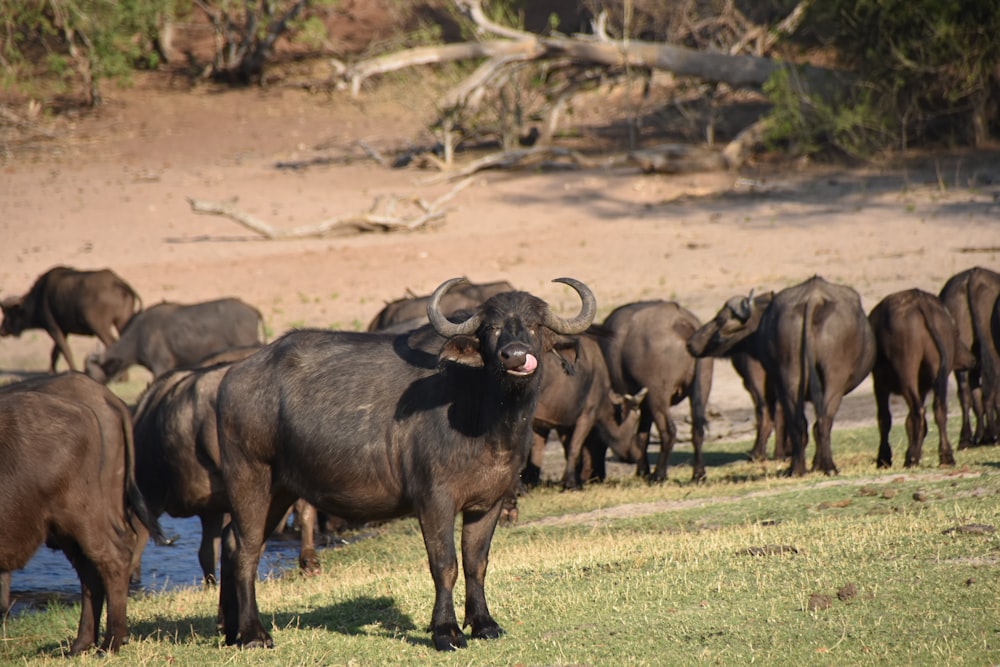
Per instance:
x=889, y=494
x=921, y=496
x=834, y=503
x=970, y=581
x=867, y=491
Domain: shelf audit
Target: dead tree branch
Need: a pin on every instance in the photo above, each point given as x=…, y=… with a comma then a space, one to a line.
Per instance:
x=428, y=215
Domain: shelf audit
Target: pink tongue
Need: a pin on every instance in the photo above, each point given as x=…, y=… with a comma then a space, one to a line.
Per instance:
x=530, y=364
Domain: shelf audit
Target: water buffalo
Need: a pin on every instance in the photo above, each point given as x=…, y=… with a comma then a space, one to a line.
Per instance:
x=816, y=345
x=971, y=296
x=712, y=340
x=173, y=335
x=66, y=447
x=646, y=348
x=65, y=301
x=917, y=347
x=370, y=426
x=577, y=401
x=177, y=456
x=410, y=312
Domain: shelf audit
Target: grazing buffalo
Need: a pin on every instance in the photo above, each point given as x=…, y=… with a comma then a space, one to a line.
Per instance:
x=370, y=426
x=713, y=339
x=65, y=301
x=66, y=452
x=177, y=456
x=971, y=297
x=577, y=401
x=410, y=312
x=816, y=345
x=646, y=348
x=917, y=347
x=172, y=335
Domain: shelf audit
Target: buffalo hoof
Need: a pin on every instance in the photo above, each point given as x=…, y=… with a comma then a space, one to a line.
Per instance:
x=449, y=639
x=309, y=566
x=492, y=631
x=946, y=461
x=260, y=642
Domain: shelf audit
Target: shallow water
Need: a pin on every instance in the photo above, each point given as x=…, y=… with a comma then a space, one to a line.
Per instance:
x=49, y=576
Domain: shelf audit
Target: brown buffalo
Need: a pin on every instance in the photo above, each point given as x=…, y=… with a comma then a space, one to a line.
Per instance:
x=971, y=296
x=577, y=401
x=646, y=348
x=917, y=348
x=173, y=335
x=65, y=301
x=816, y=345
x=66, y=447
x=712, y=340
x=410, y=312
x=177, y=456
x=370, y=426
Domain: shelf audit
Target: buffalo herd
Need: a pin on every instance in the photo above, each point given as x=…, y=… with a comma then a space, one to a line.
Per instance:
x=453, y=396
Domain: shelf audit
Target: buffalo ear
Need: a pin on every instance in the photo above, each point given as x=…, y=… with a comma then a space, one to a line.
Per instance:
x=462, y=350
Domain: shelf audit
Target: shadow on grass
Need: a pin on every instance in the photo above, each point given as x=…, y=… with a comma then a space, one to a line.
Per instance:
x=377, y=616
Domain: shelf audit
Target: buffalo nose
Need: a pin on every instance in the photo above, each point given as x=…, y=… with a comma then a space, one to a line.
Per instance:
x=516, y=356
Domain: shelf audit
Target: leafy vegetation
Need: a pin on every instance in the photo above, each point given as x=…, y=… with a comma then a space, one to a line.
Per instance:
x=869, y=567
x=926, y=71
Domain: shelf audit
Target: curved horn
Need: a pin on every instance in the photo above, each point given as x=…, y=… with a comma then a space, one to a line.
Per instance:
x=579, y=323
x=442, y=324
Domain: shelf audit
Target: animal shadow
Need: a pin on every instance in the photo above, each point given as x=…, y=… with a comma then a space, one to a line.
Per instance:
x=375, y=616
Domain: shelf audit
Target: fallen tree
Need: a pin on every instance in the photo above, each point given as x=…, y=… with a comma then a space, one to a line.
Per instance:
x=578, y=57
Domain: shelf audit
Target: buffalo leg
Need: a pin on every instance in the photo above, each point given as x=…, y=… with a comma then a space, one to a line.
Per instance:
x=797, y=432
x=916, y=428
x=698, y=399
x=4, y=593
x=822, y=430
x=945, y=455
x=668, y=435
x=573, y=451
x=208, y=550
x=965, y=439
x=642, y=442
x=91, y=598
x=438, y=529
x=477, y=536
x=306, y=513
x=254, y=518
x=531, y=475
x=884, y=415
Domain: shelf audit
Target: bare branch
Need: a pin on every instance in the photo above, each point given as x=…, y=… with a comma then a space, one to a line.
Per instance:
x=430, y=215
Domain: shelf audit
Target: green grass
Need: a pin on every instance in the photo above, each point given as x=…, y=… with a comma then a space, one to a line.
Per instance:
x=743, y=568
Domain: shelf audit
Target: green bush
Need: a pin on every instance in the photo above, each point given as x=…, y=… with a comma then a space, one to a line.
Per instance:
x=927, y=71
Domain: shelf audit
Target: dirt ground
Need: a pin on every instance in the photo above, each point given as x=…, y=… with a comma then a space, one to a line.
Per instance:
x=111, y=190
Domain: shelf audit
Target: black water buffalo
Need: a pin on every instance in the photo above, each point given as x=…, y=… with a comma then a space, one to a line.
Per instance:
x=65, y=301
x=370, y=426
x=410, y=312
x=646, y=348
x=173, y=335
x=177, y=456
x=970, y=297
x=711, y=340
x=66, y=447
x=917, y=348
x=577, y=401
x=816, y=345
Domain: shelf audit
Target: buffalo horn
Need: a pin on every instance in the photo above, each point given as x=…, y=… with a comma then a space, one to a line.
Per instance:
x=442, y=324
x=579, y=323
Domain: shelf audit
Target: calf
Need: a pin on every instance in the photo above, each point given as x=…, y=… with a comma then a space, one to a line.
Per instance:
x=172, y=335
x=66, y=452
x=577, y=401
x=646, y=348
x=177, y=456
x=917, y=347
x=374, y=426
x=815, y=344
x=410, y=312
x=65, y=301
x=971, y=296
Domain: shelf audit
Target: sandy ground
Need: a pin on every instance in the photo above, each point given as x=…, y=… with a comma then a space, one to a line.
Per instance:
x=112, y=189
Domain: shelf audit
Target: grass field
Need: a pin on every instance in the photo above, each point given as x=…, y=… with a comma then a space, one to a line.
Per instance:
x=868, y=567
